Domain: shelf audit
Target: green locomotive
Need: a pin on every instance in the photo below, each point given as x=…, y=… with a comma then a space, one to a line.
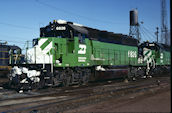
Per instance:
x=68, y=53
x=157, y=55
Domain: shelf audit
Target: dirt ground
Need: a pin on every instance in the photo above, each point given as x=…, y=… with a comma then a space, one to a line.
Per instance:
x=158, y=102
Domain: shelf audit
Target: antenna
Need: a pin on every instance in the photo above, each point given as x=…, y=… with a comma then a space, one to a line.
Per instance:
x=164, y=28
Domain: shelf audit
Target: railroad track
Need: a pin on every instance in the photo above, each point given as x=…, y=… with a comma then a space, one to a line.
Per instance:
x=3, y=81
x=68, y=98
x=12, y=94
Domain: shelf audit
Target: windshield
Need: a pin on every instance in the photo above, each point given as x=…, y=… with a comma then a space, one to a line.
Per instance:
x=34, y=42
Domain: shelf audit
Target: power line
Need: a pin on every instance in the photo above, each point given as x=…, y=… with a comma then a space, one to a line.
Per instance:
x=18, y=43
x=143, y=34
x=146, y=37
x=12, y=41
x=146, y=34
x=22, y=45
x=150, y=37
x=17, y=26
x=149, y=32
x=151, y=29
x=72, y=13
x=14, y=37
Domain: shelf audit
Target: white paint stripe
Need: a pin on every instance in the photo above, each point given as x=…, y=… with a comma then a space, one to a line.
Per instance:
x=150, y=60
x=145, y=52
x=48, y=48
x=145, y=58
x=148, y=55
x=42, y=41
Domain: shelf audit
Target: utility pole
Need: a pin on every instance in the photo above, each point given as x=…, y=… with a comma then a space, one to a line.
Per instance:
x=27, y=47
x=156, y=33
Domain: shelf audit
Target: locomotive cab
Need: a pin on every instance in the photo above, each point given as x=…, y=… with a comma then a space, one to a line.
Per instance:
x=9, y=55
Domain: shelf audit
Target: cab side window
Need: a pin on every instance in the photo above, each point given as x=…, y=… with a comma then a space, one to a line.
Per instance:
x=82, y=38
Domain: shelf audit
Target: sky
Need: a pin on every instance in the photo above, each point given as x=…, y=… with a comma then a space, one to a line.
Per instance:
x=20, y=20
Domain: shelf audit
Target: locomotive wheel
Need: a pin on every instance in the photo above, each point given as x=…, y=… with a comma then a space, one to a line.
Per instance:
x=41, y=83
x=132, y=74
x=66, y=77
x=66, y=81
x=85, y=78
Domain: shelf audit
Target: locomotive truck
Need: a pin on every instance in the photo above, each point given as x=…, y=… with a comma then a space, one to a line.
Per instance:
x=68, y=53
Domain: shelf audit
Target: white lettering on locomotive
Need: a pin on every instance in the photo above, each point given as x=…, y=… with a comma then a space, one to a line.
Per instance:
x=61, y=28
x=132, y=54
x=82, y=59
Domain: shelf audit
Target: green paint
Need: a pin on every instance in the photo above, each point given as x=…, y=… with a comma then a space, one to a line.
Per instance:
x=66, y=50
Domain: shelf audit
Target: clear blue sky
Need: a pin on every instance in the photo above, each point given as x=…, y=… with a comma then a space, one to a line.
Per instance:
x=20, y=20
